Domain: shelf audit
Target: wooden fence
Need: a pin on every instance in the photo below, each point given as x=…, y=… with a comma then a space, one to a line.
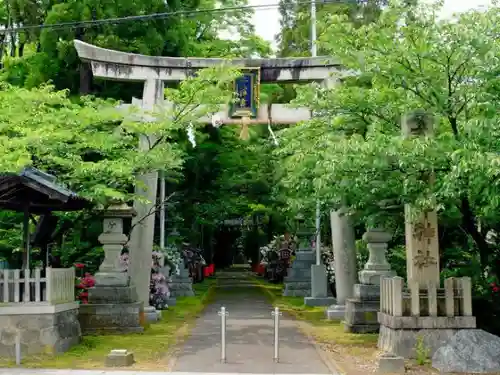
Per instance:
x=455, y=299
x=28, y=286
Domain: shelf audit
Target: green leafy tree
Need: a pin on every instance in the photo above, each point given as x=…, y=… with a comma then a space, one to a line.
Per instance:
x=353, y=153
x=90, y=145
x=52, y=55
x=294, y=38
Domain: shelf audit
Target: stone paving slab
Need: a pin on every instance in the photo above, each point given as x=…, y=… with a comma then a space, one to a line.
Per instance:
x=249, y=338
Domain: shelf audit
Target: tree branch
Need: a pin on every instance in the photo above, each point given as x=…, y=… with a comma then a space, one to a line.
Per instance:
x=151, y=211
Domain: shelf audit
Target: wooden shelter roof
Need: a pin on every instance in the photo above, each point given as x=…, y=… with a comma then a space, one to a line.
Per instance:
x=37, y=192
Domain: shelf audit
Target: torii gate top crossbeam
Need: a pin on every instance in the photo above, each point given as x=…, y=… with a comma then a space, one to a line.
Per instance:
x=124, y=66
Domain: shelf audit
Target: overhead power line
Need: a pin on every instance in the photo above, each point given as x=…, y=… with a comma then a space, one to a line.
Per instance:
x=155, y=16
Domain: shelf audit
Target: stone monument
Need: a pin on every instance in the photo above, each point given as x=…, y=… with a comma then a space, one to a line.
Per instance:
x=298, y=279
x=344, y=252
x=319, y=287
x=362, y=308
x=181, y=284
x=113, y=303
x=423, y=309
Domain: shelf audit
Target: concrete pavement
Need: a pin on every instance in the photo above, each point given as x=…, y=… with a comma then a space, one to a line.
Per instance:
x=249, y=337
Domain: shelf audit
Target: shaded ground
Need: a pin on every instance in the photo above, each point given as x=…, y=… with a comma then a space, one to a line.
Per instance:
x=250, y=336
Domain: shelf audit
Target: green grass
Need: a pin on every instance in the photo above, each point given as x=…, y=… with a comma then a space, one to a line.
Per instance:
x=150, y=348
x=322, y=330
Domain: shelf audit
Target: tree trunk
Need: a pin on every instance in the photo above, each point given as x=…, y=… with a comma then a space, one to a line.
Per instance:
x=469, y=224
x=12, y=45
x=85, y=78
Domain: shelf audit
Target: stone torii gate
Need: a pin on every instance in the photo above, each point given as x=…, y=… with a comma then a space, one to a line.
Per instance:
x=154, y=71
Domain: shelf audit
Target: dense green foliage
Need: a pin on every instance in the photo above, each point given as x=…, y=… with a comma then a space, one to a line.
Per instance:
x=97, y=156
x=48, y=54
x=294, y=38
x=352, y=152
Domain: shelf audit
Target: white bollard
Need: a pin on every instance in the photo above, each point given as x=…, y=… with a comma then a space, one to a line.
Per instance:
x=276, y=313
x=223, y=313
x=18, y=349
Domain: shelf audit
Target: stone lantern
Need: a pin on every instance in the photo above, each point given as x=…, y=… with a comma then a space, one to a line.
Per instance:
x=362, y=308
x=113, y=303
x=304, y=233
x=298, y=279
x=377, y=265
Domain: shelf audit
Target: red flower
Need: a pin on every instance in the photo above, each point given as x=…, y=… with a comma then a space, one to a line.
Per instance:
x=496, y=289
x=79, y=265
x=84, y=295
x=88, y=281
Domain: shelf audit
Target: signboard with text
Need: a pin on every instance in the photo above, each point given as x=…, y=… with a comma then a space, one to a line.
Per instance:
x=247, y=90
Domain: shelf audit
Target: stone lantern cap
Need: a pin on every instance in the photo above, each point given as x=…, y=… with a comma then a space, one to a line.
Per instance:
x=377, y=235
x=119, y=210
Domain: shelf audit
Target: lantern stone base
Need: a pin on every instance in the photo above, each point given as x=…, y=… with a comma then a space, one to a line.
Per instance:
x=319, y=288
x=335, y=312
x=110, y=318
x=150, y=314
x=361, y=310
x=112, y=294
x=398, y=334
x=298, y=280
x=318, y=301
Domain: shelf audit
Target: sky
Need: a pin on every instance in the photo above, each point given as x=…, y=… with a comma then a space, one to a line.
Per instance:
x=266, y=20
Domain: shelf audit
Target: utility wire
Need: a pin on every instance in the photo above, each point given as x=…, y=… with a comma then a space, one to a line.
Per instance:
x=155, y=16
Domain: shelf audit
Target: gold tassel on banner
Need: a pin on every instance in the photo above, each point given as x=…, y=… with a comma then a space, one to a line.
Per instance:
x=244, y=134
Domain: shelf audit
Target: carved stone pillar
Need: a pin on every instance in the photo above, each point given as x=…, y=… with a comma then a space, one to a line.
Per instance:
x=344, y=252
x=423, y=309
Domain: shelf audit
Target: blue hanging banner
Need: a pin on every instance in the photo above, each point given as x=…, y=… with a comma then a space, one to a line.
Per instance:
x=247, y=92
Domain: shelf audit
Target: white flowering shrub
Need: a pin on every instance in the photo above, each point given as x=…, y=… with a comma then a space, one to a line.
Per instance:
x=328, y=261
x=173, y=258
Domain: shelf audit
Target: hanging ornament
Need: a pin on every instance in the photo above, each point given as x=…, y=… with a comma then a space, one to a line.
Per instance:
x=244, y=134
x=191, y=135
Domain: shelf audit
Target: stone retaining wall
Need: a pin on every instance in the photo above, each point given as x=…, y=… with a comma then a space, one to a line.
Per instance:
x=46, y=332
